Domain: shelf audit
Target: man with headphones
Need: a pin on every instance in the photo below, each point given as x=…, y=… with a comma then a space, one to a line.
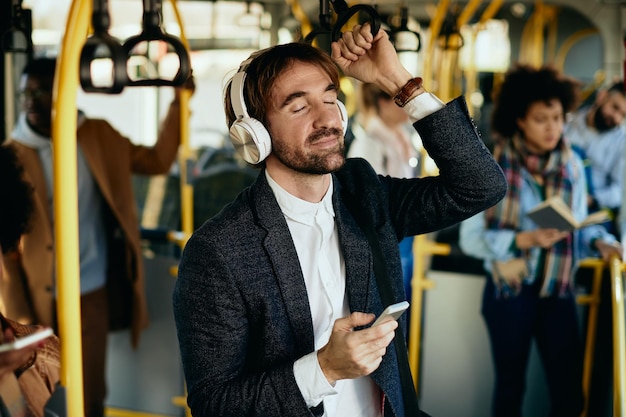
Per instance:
x=277, y=293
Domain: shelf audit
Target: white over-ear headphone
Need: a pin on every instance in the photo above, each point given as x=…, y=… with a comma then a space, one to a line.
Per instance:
x=248, y=135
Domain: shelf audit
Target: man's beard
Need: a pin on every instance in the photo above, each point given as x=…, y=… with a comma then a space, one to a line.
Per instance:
x=600, y=122
x=320, y=163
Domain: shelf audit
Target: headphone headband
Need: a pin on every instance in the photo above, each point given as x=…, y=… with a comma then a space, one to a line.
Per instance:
x=250, y=138
x=236, y=87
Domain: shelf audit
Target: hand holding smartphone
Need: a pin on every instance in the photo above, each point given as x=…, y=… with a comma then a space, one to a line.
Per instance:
x=394, y=311
x=21, y=342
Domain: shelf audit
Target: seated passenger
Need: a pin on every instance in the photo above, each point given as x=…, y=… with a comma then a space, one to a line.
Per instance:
x=529, y=291
x=381, y=138
x=28, y=375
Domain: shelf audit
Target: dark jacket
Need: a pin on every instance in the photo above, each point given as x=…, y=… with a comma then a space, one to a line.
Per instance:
x=240, y=301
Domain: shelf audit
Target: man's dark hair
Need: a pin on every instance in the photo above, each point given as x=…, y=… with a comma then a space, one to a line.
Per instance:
x=619, y=87
x=41, y=67
x=267, y=65
x=524, y=85
x=16, y=203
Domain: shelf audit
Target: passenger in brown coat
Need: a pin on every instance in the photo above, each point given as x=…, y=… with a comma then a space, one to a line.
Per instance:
x=27, y=375
x=111, y=269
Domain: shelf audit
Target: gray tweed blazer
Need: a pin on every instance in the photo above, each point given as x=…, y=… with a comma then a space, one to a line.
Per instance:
x=240, y=302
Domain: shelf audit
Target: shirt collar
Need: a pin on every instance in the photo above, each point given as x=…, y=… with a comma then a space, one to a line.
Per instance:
x=300, y=210
x=23, y=133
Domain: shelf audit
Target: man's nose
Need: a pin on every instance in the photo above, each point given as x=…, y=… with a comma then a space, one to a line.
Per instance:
x=326, y=116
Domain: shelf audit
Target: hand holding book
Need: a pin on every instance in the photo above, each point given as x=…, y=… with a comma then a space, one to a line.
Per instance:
x=554, y=213
x=541, y=237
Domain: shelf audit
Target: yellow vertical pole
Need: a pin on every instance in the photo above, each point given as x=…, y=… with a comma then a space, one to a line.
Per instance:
x=435, y=27
x=468, y=12
x=593, y=301
x=186, y=186
x=491, y=10
x=185, y=158
x=448, y=59
x=422, y=247
x=66, y=204
x=184, y=152
x=552, y=34
x=538, y=35
x=298, y=12
x=619, y=338
x=532, y=40
x=470, y=72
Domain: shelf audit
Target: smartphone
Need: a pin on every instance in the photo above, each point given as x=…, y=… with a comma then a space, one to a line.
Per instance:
x=21, y=342
x=394, y=311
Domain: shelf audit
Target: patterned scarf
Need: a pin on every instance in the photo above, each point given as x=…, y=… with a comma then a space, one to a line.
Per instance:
x=512, y=155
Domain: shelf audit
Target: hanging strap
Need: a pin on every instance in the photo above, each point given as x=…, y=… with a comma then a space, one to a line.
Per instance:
x=411, y=406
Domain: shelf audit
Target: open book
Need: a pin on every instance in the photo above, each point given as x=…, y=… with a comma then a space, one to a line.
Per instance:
x=554, y=213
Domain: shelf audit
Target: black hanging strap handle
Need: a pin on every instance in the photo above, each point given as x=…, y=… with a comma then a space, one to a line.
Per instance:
x=152, y=32
x=100, y=45
x=17, y=28
x=326, y=16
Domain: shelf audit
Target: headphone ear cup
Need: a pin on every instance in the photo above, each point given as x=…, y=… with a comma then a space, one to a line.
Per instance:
x=344, y=116
x=251, y=139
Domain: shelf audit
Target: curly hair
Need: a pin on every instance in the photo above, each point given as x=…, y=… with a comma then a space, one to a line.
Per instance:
x=17, y=200
x=524, y=85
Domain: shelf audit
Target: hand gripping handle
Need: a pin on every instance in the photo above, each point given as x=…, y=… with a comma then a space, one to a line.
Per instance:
x=345, y=15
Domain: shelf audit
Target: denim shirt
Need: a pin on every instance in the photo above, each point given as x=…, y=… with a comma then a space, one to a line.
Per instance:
x=477, y=241
x=605, y=153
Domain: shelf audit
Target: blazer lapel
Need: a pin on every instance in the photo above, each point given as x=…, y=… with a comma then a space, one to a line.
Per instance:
x=356, y=254
x=288, y=274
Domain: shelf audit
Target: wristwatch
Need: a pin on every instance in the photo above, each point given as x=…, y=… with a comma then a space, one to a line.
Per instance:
x=404, y=95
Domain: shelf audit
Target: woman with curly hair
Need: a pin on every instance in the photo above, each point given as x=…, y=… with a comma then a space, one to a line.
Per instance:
x=529, y=290
x=27, y=375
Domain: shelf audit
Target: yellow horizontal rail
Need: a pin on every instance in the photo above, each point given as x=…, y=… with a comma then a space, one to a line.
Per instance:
x=118, y=412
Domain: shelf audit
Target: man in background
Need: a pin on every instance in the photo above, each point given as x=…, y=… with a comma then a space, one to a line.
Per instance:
x=381, y=138
x=597, y=133
x=111, y=267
